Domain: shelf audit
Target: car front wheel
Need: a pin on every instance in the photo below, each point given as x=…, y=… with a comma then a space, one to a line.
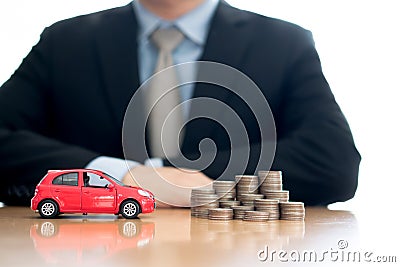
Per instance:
x=130, y=209
x=48, y=209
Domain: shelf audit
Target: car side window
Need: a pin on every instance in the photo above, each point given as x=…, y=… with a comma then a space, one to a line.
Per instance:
x=70, y=179
x=58, y=180
x=96, y=181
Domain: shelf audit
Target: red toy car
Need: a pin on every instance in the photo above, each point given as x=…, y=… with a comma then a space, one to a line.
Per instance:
x=89, y=191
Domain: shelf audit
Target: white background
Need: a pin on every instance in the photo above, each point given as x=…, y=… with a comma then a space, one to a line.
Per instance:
x=358, y=42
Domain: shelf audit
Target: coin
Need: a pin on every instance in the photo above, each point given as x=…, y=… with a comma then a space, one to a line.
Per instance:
x=246, y=184
x=281, y=195
x=201, y=201
x=238, y=211
x=220, y=214
x=256, y=216
x=248, y=199
x=225, y=190
x=294, y=211
x=269, y=205
x=228, y=203
x=270, y=181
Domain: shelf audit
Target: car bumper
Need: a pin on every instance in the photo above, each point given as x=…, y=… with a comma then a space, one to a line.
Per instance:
x=148, y=205
x=34, y=203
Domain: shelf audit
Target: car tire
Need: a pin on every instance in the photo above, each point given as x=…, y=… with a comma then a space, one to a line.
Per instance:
x=48, y=209
x=129, y=209
x=47, y=229
x=129, y=229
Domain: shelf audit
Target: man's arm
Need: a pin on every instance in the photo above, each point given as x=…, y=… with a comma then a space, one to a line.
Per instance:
x=315, y=147
x=26, y=149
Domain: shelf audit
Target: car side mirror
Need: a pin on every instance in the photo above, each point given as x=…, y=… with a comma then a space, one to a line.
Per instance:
x=110, y=186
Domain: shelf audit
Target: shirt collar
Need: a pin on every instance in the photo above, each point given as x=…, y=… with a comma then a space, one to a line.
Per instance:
x=194, y=24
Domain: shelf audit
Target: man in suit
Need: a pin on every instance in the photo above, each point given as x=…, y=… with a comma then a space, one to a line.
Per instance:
x=64, y=106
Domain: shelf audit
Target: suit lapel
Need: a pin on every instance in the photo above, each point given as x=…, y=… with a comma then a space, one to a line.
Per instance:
x=226, y=44
x=117, y=51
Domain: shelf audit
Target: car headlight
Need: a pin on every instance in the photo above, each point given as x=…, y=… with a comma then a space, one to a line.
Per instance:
x=144, y=193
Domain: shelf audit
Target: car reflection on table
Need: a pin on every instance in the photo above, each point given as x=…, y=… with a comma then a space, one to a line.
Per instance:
x=86, y=242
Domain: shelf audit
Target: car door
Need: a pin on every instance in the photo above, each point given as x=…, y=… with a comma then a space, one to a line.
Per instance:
x=66, y=191
x=96, y=197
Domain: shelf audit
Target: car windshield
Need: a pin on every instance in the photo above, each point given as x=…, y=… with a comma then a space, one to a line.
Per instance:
x=115, y=180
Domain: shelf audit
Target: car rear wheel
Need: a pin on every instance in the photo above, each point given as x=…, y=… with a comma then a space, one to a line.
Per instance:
x=48, y=209
x=130, y=209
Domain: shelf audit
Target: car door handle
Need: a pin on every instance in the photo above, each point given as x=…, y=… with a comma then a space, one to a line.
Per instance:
x=57, y=190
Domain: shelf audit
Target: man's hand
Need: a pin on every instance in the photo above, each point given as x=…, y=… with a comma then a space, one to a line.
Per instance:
x=171, y=186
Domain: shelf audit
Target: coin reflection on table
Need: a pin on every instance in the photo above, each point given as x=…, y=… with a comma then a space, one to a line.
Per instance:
x=88, y=242
x=281, y=233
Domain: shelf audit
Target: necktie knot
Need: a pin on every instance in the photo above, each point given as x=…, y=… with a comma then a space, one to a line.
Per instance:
x=167, y=40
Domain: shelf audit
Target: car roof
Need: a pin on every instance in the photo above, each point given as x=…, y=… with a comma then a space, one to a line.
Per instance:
x=75, y=170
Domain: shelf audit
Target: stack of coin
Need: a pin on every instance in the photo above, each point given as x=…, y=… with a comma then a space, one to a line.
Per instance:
x=270, y=205
x=270, y=181
x=202, y=196
x=256, y=216
x=201, y=201
x=293, y=211
x=228, y=203
x=248, y=199
x=225, y=200
x=281, y=195
x=220, y=214
x=225, y=190
x=246, y=184
x=238, y=211
x=202, y=211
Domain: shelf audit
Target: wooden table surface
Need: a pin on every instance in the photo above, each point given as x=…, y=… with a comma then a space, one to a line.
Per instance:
x=171, y=237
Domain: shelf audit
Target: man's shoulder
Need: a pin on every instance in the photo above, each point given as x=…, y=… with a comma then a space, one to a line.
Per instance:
x=262, y=24
x=93, y=21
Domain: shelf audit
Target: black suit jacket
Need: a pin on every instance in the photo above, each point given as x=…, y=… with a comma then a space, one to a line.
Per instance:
x=65, y=104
